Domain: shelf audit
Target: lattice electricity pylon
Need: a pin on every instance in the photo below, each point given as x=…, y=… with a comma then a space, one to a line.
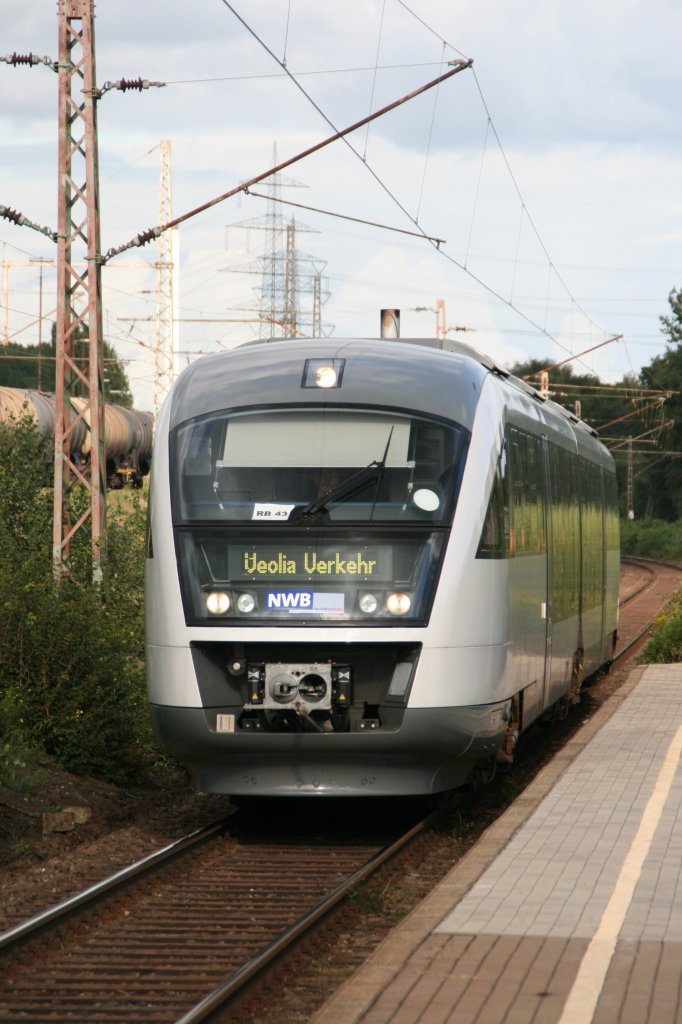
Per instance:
x=290, y=284
x=79, y=305
x=317, y=305
x=273, y=260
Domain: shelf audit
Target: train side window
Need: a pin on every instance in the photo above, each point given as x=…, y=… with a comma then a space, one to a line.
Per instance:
x=494, y=542
x=612, y=525
x=517, y=509
x=565, y=533
x=526, y=533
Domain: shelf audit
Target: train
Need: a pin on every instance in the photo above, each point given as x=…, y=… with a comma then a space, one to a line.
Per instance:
x=128, y=433
x=372, y=564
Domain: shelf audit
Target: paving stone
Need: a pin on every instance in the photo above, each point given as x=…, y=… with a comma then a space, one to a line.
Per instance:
x=527, y=901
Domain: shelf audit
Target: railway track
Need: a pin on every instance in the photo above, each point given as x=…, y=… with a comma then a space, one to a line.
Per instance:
x=643, y=600
x=178, y=935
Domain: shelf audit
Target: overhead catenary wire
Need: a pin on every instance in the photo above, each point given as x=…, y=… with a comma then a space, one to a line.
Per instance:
x=374, y=77
x=611, y=390
x=478, y=189
x=306, y=74
x=428, y=143
x=484, y=284
x=461, y=64
x=507, y=164
x=512, y=297
x=516, y=256
x=346, y=216
x=147, y=236
x=286, y=34
x=466, y=63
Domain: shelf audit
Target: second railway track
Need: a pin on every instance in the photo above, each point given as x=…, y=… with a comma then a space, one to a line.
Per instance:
x=643, y=599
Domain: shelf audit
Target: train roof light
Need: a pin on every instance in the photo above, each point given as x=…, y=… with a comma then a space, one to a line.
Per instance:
x=323, y=373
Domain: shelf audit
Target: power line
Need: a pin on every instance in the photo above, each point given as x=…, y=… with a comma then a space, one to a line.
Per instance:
x=146, y=236
x=491, y=126
x=466, y=62
x=305, y=74
x=346, y=216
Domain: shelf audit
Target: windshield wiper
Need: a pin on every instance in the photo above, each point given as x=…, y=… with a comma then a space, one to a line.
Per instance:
x=350, y=486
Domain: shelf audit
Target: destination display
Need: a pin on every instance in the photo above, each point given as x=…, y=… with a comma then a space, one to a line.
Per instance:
x=323, y=576
x=293, y=562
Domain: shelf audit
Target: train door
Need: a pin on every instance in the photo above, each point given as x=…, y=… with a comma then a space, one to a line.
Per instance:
x=528, y=563
x=547, y=492
x=593, y=560
x=563, y=569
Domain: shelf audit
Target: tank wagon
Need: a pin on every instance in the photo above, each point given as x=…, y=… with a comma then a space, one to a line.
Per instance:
x=371, y=565
x=128, y=433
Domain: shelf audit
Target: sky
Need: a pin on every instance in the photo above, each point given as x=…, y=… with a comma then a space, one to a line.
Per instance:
x=551, y=169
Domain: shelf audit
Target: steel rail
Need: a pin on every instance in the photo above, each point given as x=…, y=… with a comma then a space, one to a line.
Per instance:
x=650, y=564
x=62, y=910
x=632, y=642
x=642, y=586
x=235, y=982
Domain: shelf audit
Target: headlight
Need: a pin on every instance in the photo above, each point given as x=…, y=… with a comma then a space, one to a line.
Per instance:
x=217, y=602
x=368, y=604
x=398, y=604
x=246, y=603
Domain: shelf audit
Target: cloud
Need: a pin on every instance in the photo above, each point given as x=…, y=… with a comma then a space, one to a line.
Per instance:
x=584, y=98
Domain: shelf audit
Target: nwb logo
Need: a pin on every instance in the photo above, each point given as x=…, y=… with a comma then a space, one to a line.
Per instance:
x=289, y=599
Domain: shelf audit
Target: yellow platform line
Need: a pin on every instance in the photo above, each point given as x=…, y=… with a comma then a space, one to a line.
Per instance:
x=584, y=995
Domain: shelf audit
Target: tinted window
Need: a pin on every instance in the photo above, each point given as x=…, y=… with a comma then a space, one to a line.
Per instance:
x=345, y=465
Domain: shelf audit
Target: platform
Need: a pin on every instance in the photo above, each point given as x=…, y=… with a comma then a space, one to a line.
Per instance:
x=569, y=909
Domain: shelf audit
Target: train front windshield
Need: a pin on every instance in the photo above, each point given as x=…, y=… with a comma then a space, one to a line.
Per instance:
x=313, y=514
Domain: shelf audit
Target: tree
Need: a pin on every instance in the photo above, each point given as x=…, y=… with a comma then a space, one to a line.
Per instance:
x=672, y=325
x=24, y=366
x=615, y=411
x=71, y=666
x=664, y=478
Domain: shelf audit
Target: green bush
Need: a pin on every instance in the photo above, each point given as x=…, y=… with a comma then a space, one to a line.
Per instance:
x=665, y=643
x=656, y=538
x=652, y=538
x=71, y=664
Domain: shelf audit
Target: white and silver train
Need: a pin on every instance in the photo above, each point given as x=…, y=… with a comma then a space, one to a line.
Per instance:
x=371, y=565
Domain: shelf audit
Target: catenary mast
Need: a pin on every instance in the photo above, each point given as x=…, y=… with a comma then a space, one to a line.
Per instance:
x=165, y=327
x=79, y=306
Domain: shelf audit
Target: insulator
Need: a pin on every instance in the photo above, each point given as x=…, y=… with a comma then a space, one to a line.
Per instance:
x=13, y=215
x=21, y=58
x=132, y=83
x=145, y=236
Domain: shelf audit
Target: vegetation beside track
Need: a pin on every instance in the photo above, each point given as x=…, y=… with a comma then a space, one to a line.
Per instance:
x=652, y=538
x=71, y=664
x=658, y=539
x=665, y=642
